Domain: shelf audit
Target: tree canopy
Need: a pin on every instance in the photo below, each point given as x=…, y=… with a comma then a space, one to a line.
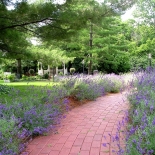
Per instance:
x=64, y=31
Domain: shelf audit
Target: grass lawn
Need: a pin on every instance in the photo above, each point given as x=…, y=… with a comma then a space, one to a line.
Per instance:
x=26, y=89
x=29, y=83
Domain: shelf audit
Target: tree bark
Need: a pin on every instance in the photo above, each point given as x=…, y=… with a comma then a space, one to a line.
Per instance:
x=90, y=44
x=19, y=69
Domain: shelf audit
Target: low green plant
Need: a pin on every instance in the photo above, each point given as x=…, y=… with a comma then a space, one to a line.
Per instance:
x=1, y=76
x=61, y=73
x=4, y=89
x=9, y=137
x=46, y=76
x=11, y=77
x=39, y=77
x=35, y=110
x=24, y=77
x=83, y=90
x=72, y=70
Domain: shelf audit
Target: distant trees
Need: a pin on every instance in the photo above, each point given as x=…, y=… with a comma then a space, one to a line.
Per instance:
x=64, y=31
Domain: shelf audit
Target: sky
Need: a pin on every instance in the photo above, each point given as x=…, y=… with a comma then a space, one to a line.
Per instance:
x=128, y=14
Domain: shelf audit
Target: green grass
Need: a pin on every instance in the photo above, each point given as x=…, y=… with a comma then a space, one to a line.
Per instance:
x=25, y=89
x=32, y=83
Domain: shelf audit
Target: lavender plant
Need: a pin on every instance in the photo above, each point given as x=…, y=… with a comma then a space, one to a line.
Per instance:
x=34, y=111
x=8, y=136
x=91, y=87
x=140, y=133
x=4, y=89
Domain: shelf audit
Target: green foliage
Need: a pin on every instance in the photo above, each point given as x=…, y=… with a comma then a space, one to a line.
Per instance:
x=39, y=77
x=146, y=11
x=139, y=62
x=24, y=77
x=34, y=109
x=4, y=89
x=61, y=73
x=111, y=46
x=11, y=77
x=72, y=70
x=8, y=136
x=46, y=76
x=141, y=127
x=87, y=87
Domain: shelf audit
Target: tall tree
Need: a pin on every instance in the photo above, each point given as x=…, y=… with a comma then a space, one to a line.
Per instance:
x=145, y=11
x=51, y=21
x=54, y=21
x=111, y=46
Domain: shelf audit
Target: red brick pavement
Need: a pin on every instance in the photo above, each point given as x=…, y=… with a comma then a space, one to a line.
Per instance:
x=83, y=130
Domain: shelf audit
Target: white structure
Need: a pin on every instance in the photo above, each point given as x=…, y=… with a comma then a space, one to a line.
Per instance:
x=41, y=71
x=6, y=80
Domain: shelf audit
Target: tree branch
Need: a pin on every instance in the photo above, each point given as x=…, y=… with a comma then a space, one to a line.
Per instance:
x=24, y=24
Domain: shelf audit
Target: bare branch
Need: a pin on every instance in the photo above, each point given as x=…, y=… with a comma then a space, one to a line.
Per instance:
x=27, y=23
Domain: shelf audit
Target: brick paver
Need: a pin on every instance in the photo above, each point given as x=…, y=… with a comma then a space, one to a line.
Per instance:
x=84, y=129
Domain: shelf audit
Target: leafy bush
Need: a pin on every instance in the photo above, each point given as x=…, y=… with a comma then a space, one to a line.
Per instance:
x=85, y=90
x=11, y=77
x=1, y=76
x=112, y=83
x=38, y=77
x=140, y=135
x=31, y=78
x=24, y=77
x=91, y=87
x=72, y=70
x=61, y=73
x=4, y=89
x=46, y=76
x=8, y=136
x=37, y=111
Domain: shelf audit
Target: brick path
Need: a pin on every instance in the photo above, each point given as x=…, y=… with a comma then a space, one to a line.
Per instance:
x=82, y=131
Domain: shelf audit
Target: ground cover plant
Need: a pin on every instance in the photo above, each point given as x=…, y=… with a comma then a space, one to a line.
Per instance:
x=28, y=110
x=139, y=121
x=90, y=87
x=141, y=130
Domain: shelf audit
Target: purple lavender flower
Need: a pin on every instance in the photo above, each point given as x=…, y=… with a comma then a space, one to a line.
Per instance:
x=153, y=122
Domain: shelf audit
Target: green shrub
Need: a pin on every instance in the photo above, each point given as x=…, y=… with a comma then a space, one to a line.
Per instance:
x=24, y=77
x=11, y=77
x=46, y=76
x=1, y=76
x=4, y=89
x=8, y=136
x=83, y=90
x=72, y=70
x=61, y=73
x=38, y=77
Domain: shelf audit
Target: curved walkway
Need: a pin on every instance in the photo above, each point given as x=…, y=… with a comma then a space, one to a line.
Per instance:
x=83, y=130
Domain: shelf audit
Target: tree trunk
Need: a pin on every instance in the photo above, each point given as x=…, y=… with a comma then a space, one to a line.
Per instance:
x=90, y=65
x=90, y=44
x=19, y=69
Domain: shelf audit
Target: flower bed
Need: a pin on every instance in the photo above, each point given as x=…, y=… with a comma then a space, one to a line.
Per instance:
x=35, y=110
x=141, y=130
x=139, y=121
